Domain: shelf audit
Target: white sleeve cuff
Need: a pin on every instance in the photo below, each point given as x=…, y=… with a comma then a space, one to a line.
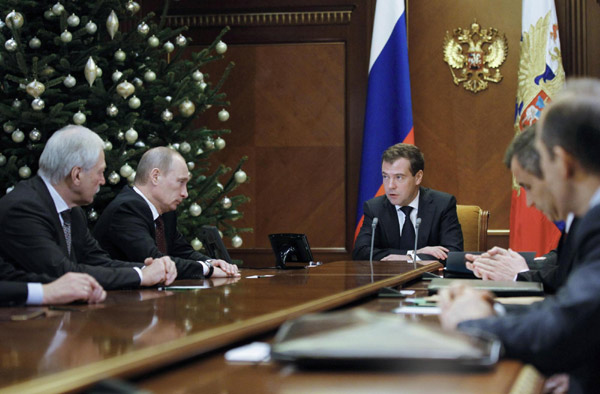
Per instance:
x=139, y=271
x=35, y=294
x=205, y=268
x=517, y=275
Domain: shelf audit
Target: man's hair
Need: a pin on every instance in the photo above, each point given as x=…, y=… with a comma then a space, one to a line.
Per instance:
x=572, y=121
x=160, y=157
x=523, y=149
x=72, y=146
x=408, y=152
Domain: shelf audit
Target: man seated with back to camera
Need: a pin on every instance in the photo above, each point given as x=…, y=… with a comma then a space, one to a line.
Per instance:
x=523, y=159
x=402, y=169
x=559, y=334
x=44, y=229
x=141, y=221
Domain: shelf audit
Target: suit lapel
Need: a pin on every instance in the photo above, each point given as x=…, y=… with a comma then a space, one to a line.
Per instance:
x=391, y=223
x=40, y=188
x=426, y=214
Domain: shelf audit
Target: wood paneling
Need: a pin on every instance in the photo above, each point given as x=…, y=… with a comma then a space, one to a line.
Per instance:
x=462, y=134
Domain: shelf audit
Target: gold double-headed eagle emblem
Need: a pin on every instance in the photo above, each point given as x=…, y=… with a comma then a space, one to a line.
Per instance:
x=475, y=55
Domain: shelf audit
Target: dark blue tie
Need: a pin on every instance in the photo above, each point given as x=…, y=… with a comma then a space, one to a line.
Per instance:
x=407, y=239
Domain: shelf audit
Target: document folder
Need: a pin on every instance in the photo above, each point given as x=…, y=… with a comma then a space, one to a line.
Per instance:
x=364, y=339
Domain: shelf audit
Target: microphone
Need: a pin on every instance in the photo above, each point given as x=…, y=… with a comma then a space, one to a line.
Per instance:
x=417, y=224
x=373, y=226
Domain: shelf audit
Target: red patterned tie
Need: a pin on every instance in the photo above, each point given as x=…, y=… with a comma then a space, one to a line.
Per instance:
x=161, y=241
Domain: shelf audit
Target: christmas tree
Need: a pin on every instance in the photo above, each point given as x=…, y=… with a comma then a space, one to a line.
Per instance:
x=129, y=78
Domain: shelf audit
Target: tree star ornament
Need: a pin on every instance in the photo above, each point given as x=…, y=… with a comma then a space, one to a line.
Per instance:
x=112, y=24
x=35, y=88
x=90, y=71
x=125, y=89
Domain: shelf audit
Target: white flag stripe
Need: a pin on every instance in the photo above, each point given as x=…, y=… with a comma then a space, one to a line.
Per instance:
x=385, y=25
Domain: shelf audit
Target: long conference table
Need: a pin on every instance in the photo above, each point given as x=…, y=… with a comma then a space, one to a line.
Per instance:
x=174, y=341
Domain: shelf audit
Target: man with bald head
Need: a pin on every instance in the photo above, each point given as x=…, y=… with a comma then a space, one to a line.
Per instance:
x=141, y=220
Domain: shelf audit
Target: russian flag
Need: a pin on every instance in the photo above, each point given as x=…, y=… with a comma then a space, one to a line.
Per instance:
x=541, y=75
x=388, y=116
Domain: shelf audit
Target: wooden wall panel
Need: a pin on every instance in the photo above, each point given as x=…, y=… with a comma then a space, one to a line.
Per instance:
x=463, y=134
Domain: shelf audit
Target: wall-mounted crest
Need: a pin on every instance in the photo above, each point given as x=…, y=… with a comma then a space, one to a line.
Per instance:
x=475, y=55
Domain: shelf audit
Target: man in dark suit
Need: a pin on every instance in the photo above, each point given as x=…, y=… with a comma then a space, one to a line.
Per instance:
x=44, y=230
x=141, y=221
x=402, y=167
x=559, y=334
x=19, y=288
x=523, y=159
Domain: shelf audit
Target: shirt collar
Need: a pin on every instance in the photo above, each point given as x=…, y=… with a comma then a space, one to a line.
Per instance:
x=59, y=203
x=414, y=203
x=595, y=199
x=155, y=214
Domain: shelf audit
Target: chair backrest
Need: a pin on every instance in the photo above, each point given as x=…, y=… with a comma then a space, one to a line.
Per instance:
x=474, y=223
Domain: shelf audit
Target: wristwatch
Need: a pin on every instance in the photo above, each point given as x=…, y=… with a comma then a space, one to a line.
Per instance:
x=211, y=269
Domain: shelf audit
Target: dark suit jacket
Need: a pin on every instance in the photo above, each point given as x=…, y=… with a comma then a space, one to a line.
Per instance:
x=439, y=226
x=13, y=284
x=558, y=264
x=33, y=239
x=126, y=231
x=560, y=334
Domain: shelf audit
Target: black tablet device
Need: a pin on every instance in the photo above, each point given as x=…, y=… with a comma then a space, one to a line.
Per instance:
x=290, y=248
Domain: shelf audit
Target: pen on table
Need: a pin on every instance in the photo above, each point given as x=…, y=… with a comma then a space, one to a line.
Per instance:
x=259, y=276
x=181, y=288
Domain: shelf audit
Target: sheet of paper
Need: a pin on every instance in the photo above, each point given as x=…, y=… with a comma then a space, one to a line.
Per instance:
x=254, y=352
x=418, y=310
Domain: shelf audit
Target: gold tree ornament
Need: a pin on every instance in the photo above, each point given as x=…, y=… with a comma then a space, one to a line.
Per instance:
x=475, y=55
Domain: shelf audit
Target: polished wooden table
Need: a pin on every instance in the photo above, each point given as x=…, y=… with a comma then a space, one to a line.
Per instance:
x=172, y=341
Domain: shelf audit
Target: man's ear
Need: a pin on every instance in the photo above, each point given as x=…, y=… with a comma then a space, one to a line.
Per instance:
x=419, y=177
x=154, y=175
x=75, y=175
x=567, y=164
